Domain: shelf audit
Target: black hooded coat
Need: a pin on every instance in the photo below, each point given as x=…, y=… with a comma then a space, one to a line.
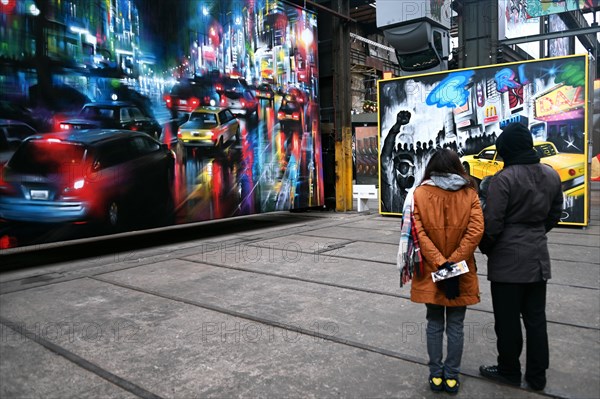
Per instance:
x=524, y=201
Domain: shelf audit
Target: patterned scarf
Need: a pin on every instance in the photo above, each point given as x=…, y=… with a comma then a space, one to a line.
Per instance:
x=409, y=258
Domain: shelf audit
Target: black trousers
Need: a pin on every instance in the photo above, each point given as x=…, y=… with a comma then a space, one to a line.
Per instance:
x=510, y=301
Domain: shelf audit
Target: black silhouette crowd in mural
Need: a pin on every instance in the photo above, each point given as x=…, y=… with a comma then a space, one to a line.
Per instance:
x=401, y=162
x=476, y=143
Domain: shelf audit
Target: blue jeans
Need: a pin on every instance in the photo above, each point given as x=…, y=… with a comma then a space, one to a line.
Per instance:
x=454, y=324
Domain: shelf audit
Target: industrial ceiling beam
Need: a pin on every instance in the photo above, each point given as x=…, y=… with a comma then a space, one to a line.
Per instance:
x=553, y=35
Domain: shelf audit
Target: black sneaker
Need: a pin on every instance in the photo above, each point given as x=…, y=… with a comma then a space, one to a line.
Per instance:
x=492, y=373
x=537, y=384
x=451, y=385
x=436, y=383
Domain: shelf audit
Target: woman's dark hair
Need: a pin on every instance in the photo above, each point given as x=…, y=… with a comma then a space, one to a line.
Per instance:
x=447, y=161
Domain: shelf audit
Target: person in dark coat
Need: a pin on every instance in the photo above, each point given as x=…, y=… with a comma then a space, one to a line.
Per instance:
x=524, y=202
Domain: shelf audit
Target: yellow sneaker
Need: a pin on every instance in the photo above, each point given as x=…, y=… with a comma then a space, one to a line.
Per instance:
x=436, y=383
x=451, y=385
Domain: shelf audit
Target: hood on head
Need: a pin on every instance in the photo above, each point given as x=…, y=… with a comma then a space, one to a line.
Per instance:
x=515, y=144
x=449, y=181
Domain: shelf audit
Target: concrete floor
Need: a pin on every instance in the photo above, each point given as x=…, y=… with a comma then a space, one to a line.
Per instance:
x=278, y=305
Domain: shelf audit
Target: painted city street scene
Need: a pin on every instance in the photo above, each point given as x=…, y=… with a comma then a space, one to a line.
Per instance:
x=219, y=100
x=465, y=110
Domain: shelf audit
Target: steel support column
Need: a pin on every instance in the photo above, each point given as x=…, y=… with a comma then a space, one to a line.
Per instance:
x=478, y=33
x=342, y=102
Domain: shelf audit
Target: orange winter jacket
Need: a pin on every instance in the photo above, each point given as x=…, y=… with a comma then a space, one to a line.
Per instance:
x=449, y=226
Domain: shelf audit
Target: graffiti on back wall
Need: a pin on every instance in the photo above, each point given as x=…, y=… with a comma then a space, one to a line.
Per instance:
x=465, y=111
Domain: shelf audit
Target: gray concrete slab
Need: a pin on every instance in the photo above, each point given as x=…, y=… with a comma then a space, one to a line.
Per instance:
x=574, y=253
x=371, y=251
x=29, y=370
x=591, y=229
x=380, y=321
x=377, y=223
x=576, y=274
x=320, y=268
x=25, y=278
x=298, y=257
x=569, y=238
x=566, y=304
x=292, y=246
x=299, y=222
x=51, y=272
x=179, y=350
x=354, y=234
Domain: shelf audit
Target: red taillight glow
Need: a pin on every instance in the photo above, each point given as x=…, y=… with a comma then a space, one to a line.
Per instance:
x=280, y=115
x=223, y=100
x=7, y=6
x=179, y=134
x=243, y=103
x=64, y=126
x=79, y=184
x=296, y=116
x=168, y=101
x=572, y=172
x=3, y=184
x=77, y=188
x=7, y=242
x=218, y=87
x=194, y=102
x=57, y=121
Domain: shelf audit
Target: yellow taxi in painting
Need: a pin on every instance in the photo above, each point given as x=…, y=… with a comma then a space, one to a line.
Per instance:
x=570, y=167
x=209, y=125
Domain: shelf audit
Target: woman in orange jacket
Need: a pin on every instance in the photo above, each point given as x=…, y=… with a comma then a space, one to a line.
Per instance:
x=449, y=224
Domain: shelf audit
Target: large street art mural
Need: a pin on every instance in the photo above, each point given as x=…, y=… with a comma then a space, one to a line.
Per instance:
x=126, y=114
x=465, y=110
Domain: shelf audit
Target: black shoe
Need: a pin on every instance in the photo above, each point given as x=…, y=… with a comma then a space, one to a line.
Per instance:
x=436, y=383
x=451, y=385
x=537, y=384
x=492, y=373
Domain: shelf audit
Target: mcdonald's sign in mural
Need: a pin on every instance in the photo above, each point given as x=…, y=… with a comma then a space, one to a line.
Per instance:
x=491, y=114
x=465, y=110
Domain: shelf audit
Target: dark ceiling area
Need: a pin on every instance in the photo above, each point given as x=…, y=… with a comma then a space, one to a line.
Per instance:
x=363, y=11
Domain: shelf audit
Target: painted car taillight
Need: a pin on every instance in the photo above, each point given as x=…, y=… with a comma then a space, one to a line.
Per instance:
x=3, y=184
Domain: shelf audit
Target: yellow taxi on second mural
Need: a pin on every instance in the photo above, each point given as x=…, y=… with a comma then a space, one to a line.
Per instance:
x=209, y=125
x=570, y=167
